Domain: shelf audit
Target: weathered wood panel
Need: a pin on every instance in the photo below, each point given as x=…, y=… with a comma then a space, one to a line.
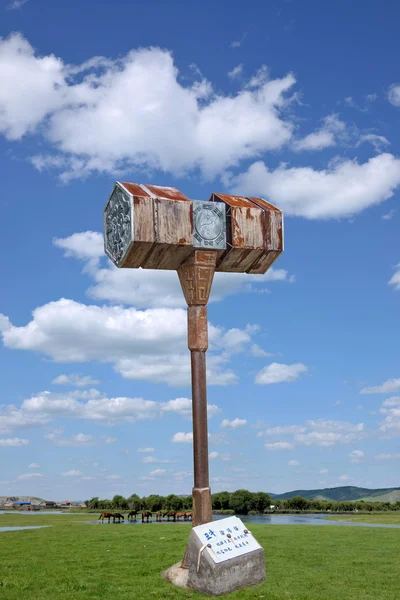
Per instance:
x=273, y=236
x=245, y=233
x=144, y=234
x=173, y=220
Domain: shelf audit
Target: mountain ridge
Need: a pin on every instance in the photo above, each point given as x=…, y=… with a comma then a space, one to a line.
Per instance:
x=342, y=494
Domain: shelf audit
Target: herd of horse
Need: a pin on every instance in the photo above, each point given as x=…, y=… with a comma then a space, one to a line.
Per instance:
x=147, y=516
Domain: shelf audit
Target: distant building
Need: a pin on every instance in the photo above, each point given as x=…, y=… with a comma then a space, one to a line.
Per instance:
x=48, y=504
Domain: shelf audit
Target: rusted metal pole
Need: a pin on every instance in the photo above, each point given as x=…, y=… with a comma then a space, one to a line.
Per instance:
x=196, y=276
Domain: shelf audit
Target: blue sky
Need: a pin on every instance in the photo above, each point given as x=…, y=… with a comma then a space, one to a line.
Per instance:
x=297, y=104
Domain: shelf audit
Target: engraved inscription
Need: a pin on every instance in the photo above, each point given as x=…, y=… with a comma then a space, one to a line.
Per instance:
x=117, y=225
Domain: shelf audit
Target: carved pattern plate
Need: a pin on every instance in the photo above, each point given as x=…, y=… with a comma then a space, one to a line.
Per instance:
x=209, y=225
x=118, y=224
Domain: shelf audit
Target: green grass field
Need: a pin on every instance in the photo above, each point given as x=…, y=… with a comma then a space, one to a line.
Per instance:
x=75, y=561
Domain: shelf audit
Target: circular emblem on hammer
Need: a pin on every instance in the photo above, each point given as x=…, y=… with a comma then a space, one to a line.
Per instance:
x=117, y=224
x=209, y=224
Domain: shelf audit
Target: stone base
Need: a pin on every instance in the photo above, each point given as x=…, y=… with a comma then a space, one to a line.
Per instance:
x=217, y=579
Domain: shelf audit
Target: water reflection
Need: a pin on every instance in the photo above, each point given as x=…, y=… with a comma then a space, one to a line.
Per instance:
x=19, y=528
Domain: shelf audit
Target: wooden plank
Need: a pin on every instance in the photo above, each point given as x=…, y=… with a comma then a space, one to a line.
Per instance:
x=144, y=231
x=173, y=234
x=273, y=236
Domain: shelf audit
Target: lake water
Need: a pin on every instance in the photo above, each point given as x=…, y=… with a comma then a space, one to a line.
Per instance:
x=19, y=528
x=317, y=519
x=33, y=512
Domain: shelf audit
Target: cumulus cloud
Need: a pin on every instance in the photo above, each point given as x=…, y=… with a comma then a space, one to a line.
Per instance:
x=236, y=72
x=152, y=459
x=77, y=440
x=233, y=424
x=319, y=432
x=146, y=450
x=280, y=373
x=283, y=430
x=395, y=280
x=390, y=426
x=278, y=446
x=356, y=456
x=30, y=476
x=74, y=379
x=34, y=466
x=148, y=345
x=394, y=94
x=182, y=438
x=9, y=442
x=82, y=111
x=293, y=463
x=332, y=131
x=72, y=473
x=183, y=406
x=388, y=387
x=343, y=189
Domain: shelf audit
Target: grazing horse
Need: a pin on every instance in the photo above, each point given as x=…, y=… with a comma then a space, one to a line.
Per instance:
x=171, y=513
x=105, y=515
x=188, y=515
x=146, y=514
x=118, y=516
x=132, y=515
x=159, y=515
x=180, y=515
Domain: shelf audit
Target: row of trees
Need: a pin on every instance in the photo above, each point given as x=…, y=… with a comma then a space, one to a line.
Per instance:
x=240, y=502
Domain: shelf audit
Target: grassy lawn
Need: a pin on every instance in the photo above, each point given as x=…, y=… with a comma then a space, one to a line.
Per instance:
x=389, y=518
x=75, y=561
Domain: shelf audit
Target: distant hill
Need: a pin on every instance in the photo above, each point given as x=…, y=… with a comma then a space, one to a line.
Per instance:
x=345, y=493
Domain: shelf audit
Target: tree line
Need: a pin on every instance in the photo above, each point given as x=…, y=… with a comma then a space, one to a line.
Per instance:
x=241, y=502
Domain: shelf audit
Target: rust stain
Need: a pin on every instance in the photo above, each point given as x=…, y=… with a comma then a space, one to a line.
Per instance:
x=182, y=241
x=170, y=193
x=239, y=201
x=264, y=204
x=134, y=189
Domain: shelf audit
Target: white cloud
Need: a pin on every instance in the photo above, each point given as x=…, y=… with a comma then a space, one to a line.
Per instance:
x=13, y=418
x=356, y=456
x=345, y=478
x=379, y=142
x=323, y=471
x=82, y=111
x=233, y=424
x=343, y=189
x=16, y=4
x=279, y=373
x=153, y=459
x=278, y=446
x=9, y=442
x=293, y=463
x=214, y=455
x=110, y=440
x=394, y=94
x=77, y=440
x=327, y=433
x=388, y=387
x=183, y=406
x=283, y=430
x=74, y=379
x=180, y=437
x=389, y=215
x=113, y=477
x=333, y=131
x=395, y=456
x=393, y=401
x=238, y=43
x=146, y=450
x=34, y=466
x=148, y=345
x=157, y=472
x=30, y=476
x=395, y=280
x=259, y=352
x=72, y=473
x=236, y=72
x=390, y=426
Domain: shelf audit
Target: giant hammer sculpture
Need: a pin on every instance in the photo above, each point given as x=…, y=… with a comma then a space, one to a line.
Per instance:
x=155, y=227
